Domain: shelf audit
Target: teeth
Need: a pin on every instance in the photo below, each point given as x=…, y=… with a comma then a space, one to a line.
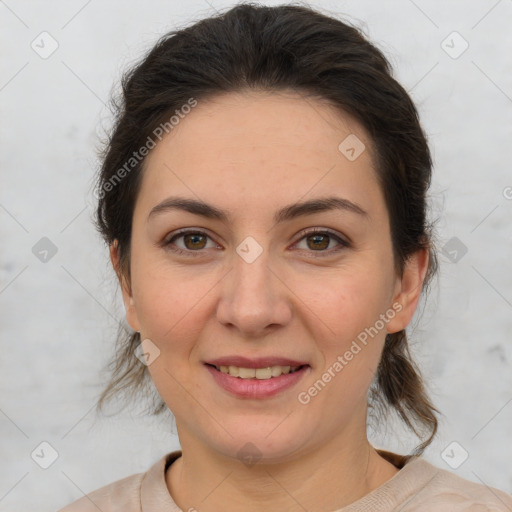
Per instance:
x=264, y=373
x=258, y=373
x=246, y=373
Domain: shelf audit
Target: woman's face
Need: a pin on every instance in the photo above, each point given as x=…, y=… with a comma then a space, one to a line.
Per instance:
x=252, y=280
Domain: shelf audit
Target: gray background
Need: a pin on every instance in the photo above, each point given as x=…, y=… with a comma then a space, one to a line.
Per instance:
x=58, y=317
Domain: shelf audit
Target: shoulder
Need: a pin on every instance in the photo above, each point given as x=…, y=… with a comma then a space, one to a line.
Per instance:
x=444, y=491
x=122, y=495
x=133, y=493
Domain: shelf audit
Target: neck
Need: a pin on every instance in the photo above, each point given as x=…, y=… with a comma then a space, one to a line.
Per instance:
x=326, y=478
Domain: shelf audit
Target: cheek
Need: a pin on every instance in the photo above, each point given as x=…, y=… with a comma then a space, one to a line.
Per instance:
x=349, y=304
x=172, y=314
x=161, y=293
x=346, y=300
x=172, y=305
x=350, y=347
x=168, y=309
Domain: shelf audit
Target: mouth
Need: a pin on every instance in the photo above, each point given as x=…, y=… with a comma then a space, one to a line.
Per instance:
x=264, y=373
x=257, y=381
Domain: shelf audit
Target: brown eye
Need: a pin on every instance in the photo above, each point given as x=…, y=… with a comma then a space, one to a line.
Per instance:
x=189, y=242
x=194, y=241
x=318, y=241
x=322, y=242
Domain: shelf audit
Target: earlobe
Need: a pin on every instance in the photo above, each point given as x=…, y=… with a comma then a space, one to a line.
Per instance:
x=409, y=288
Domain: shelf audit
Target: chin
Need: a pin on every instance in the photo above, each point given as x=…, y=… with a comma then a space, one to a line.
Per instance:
x=255, y=446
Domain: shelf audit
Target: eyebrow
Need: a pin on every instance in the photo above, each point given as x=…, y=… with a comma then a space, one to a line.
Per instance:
x=287, y=213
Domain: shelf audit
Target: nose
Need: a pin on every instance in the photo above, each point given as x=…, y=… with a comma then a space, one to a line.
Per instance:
x=254, y=299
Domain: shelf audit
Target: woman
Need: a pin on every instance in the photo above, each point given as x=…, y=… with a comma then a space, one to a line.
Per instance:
x=263, y=195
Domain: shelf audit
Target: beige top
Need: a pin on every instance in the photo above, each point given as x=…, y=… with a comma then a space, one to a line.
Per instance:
x=418, y=487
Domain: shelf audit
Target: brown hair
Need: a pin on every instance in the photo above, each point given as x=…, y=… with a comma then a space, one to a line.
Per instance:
x=277, y=48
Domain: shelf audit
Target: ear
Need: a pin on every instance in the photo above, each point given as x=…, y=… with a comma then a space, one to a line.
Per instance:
x=129, y=303
x=408, y=290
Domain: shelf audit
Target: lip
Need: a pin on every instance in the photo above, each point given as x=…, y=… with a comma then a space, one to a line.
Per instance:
x=256, y=388
x=257, y=362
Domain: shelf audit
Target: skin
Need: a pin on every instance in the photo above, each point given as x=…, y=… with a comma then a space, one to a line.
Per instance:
x=250, y=154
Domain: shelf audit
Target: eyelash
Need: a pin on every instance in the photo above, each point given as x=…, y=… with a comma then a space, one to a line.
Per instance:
x=343, y=244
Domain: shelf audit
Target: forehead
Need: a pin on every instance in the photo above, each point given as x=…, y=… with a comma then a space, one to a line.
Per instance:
x=260, y=147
